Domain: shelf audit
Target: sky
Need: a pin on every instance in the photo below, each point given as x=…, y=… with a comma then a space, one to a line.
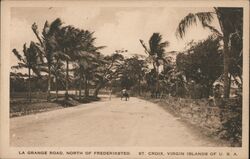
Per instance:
x=114, y=27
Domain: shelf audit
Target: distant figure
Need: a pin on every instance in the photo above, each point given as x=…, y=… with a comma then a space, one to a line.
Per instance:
x=110, y=93
x=125, y=94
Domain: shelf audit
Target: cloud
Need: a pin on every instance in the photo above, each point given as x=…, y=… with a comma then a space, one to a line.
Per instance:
x=20, y=33
x=114, y=27
x=79, y=16
x=130, y=26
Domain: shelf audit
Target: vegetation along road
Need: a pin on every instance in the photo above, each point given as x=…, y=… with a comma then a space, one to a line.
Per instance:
x=105, y=123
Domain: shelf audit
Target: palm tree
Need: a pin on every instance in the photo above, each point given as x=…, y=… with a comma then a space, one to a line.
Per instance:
x=230, y=21
x=67, y=41
x=134, y=70
x=77, y=45
x=48, y=45
x=57, y=71
x=156, y=53
x=83, y=70
x=87, y=56
x=78, y=71
x=110, y=67
x=29, y=60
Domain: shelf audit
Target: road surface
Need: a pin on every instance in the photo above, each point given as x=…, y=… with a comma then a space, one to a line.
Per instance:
x=105, y=123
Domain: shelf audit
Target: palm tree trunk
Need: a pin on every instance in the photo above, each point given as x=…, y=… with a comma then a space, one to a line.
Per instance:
x=139, y=85
x=230, y=81
x=29, y=94
x=56, y=88
x=80, y=88
x=96, y=92
x=86, y=89
x=49, y=79
x=226, y=67
x=67, y=80
x=226, y=55
x=158, y=82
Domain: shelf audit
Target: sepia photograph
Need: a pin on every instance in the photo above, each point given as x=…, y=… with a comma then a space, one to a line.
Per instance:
x=144, y=79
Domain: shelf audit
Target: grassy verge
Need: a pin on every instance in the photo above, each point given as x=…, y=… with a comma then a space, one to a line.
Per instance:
x=20, y=106
x=198, y=130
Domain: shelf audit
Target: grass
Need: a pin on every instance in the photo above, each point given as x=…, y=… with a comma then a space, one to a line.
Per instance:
x=20, y=106
x=214, y=136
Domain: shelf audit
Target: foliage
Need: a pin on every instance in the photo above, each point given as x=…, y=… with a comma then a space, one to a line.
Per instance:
x=29, y=59
x=231, y=22
x=48, y=45
x=231, y=129
x=109, y=69
x=202, y=63
x=133, y=73
x=156, y=54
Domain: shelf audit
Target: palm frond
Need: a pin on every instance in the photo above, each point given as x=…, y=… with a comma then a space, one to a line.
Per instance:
x=18, y=74
x=144, y=46
x=154, y=43
x=204, y=17
x=16, y=53
x=19, y=66
x=34, y=28
x=37, y=71
x=61, y=55
x=40, y=51
x=25, y=50
x=54, y=26
x=185, y=23
x=100, y=47
x=45, y=28
x=213, y=29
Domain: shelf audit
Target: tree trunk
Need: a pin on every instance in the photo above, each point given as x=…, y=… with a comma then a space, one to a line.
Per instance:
x=207, y=91
x=80, y=88
x=226, y=67
x=56, y=88
x=99, y=86
x=158, y=82
x=230, y=81
x=49, y=79
x=29, y=93
x=86, y=89
x=67, y=80
x=139, y=85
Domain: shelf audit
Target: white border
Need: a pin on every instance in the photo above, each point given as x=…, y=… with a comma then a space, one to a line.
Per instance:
x=12, y=152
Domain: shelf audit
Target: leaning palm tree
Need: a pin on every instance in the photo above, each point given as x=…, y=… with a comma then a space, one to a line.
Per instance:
x=156, y=53
x=82, y=71
x=29, y=60
x=78, y=46
x=67, y=46
x=89, y=52
x=230, y=21
x=58, y=72
x=48, y=45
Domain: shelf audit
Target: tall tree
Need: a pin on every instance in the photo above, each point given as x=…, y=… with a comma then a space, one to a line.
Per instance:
x=28, y=60
x=84, y=70
x=66, y=39
x=109, y=68
x=78, y=45
x=133, y=73
x=58, y=73
x=156, y=52
x=202, y=63
x=48, y=45
x=230, y=21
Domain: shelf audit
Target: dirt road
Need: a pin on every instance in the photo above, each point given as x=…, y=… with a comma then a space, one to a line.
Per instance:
x=106, y=123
